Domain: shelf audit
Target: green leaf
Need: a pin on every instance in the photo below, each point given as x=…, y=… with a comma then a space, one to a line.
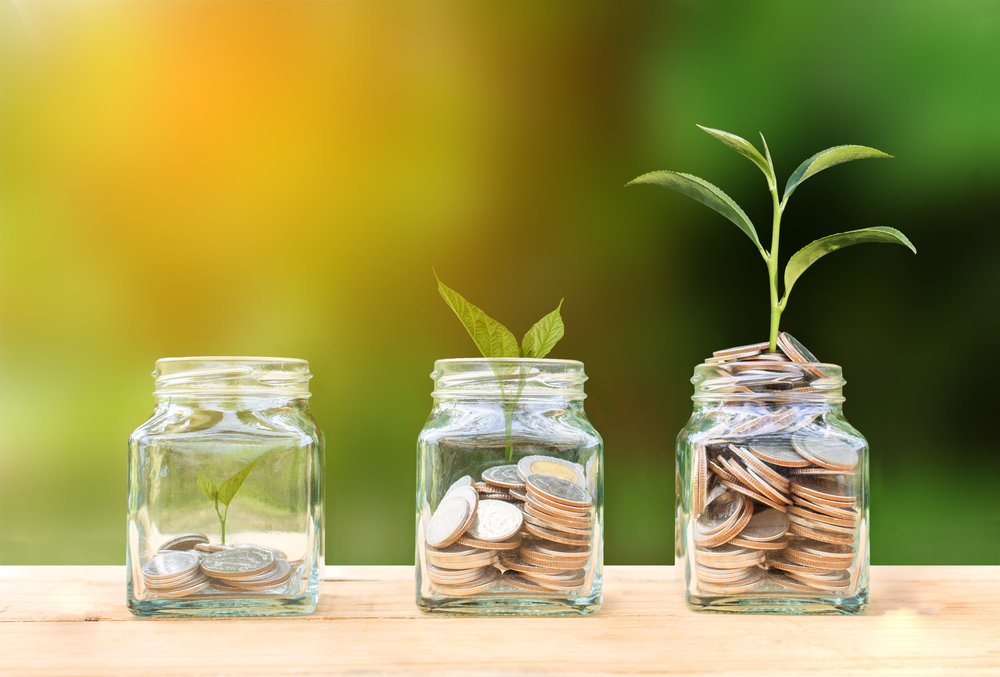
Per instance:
x=544, y=335
x=747, y=150
x=492, y=338
x=207, y=486
x=767, y=154
x=705, y=193
x=813, y=251
x=228, y=489
x=826, y=159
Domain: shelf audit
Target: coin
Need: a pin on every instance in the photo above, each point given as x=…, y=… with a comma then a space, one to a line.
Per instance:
x=184, y=592
x=822, y=535
x=170, y=564
x=822, y=489
x=452, y=517
x=503, y=476
x=275, y=577
x=767, y=525
x=237, y=562
x=495, y=521
x=463, y=481
x=832, y=454
x=770, y=475
x=721, y=513
x=780, y=561
x=750, y=349
x=821, y=526
x=550, y=465
x=486, y=581
x=749, y=493
x=727, y=552
x=844, y=512
x=784, y=580
x=762, y=545
x=556, y=536
x=559, y=490
x=820, y=517
x=184, y=542
x=209, y=547
x=777, y=453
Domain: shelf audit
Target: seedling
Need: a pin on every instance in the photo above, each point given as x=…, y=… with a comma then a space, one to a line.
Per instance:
x=495, y=340
x=226, y=492
x=713, y=197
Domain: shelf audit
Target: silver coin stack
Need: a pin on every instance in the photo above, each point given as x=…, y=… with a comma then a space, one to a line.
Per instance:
x=774, y=501
x=189, y=564
x=524, y=527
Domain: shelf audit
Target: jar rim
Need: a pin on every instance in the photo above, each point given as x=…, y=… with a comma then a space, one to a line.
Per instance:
x=525, y=378
x=816, y=382
x=231, y=375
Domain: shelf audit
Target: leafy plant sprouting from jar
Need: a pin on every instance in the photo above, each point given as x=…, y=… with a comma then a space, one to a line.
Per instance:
x=713, y=197
x=225, y=492
x=496, y=341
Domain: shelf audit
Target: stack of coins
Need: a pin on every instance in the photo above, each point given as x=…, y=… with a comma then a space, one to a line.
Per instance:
x=773, y=497
x=189, y=563
x=518, y=526
x=174, y=573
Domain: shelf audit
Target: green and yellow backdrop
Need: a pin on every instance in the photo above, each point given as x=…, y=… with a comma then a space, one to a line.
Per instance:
x=279, y=179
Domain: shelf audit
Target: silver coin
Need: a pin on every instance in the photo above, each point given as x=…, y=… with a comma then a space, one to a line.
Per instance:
x=495, y=521
x=792, y=347
x=776, y=452
x=184, y=592
x=827, y=452
x=184, y=542
x=550, y=465
x=504, y=476
x=559, y=489
x=767, y=525
x=452, y=517
x=464, y=481
x=237, y=562
x=278, y=574
x=278, y=554
x=170, y=564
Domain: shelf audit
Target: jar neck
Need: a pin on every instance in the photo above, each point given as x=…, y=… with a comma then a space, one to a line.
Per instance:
x=509, y=380
x=768, y=383
x=201, y=379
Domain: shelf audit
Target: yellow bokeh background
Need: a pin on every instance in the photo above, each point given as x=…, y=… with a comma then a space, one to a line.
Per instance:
x=279, y=179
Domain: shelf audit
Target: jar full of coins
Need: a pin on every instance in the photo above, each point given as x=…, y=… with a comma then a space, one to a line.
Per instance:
x=225, y=500
x=509, y=491
x=772, y=482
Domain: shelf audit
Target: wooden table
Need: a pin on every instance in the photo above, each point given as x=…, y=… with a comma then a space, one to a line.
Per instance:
x=922, y=621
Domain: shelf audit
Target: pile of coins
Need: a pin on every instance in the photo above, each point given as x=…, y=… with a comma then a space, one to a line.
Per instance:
x=773, y=499
x=188, y=564
x=529, y=526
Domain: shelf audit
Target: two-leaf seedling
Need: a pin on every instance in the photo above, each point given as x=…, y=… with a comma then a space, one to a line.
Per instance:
x=226, y=492
x=496, y=341
x=713, y=197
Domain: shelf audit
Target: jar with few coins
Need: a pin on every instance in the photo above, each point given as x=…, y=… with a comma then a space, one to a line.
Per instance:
x=772, y=487
x=509, y=510
x=225, y=499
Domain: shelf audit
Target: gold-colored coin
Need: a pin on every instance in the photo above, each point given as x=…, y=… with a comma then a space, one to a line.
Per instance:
x=762, y=545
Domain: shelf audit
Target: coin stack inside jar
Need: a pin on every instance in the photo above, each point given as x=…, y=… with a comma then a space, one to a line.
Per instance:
x=189, y=564
x=774, y=501
x=528, y=526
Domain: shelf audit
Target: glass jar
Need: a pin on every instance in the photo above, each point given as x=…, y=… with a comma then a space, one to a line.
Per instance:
x=225, y=499
x=510, y=491
x=772, y=483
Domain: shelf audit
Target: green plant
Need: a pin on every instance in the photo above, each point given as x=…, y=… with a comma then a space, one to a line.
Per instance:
x=713, y=197
x=226, y=492
x=495, y=340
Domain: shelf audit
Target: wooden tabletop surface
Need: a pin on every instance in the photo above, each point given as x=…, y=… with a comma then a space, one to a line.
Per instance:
x=922, y=621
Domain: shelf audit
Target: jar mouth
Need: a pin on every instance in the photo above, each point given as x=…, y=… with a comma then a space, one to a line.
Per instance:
x=504, y=377
x=765, y=380
x=235, y=375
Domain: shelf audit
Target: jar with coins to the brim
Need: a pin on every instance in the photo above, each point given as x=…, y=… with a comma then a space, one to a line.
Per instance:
x=772, y=493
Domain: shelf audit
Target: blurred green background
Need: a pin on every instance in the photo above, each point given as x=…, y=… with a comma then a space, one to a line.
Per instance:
x=279, y=178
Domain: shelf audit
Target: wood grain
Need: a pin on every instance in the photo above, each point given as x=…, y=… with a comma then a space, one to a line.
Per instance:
x=923, y=621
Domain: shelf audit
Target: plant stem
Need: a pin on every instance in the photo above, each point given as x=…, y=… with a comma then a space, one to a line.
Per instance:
x=508, y=420
x=772, y=269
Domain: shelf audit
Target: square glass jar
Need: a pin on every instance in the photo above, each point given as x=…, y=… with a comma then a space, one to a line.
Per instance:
x=510, y=488
x=772, y=491
x=225, y=499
